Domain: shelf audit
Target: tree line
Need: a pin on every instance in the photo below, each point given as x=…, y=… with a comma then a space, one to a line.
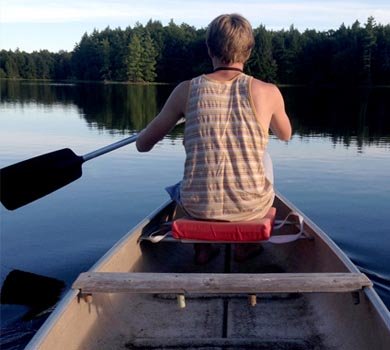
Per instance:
x=355, y=55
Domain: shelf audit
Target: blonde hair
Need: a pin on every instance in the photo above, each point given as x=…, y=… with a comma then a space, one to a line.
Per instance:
x=230, y=38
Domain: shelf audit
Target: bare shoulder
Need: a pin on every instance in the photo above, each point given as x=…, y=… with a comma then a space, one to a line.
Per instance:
x=269, y=104
x=266, y=97
x=178, y=99
x=260, y=87
x=176, y=103
x=182, y=89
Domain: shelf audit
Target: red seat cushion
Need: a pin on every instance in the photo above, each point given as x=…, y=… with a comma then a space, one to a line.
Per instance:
x=238, y=231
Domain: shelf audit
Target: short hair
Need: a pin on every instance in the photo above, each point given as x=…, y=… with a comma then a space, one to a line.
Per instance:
x=230, y=38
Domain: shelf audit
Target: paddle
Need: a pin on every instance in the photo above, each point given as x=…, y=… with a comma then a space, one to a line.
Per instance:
x=26, y=181
x=29, y=180
x=27, y=288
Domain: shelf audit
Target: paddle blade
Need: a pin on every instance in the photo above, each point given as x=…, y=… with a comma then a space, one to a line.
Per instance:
x=24, y=182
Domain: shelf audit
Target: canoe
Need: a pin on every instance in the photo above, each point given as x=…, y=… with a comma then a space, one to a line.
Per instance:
x=305, y=294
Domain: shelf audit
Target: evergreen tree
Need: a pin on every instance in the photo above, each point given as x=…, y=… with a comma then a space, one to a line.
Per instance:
x=368, y=43
x=21, y=61
x=134, y=61
x=105, y=71
x=381, y=59
x=149, y=55
x=349, y=55
x=86, y=60
x=62, y=65
x=118, y=54
x=11, y=67
x=261, y=63
x=30, y=71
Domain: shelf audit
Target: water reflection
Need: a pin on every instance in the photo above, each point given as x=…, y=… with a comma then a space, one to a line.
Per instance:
x=118, y=107
x=346, y=116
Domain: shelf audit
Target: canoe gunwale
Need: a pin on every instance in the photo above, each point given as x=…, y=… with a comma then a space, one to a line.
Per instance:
x=369, y=291
x=323, y=236
x=45, y=329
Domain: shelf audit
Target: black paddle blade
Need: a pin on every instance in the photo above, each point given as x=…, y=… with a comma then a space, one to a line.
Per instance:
x=24, y=182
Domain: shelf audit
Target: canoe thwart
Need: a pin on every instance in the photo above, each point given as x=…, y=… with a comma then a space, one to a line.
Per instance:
x=219, y=283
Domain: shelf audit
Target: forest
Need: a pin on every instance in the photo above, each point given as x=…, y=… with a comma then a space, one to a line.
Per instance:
x=153, y=53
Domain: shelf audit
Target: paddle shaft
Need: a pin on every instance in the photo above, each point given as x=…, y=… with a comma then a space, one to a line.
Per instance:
x=116, y=145
x=109, y=148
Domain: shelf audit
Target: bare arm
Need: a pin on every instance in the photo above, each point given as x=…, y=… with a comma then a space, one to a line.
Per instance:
x=270, y=111
x=280, y=123
x=164, y=122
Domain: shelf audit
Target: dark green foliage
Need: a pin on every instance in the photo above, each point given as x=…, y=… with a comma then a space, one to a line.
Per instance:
x=262, y=63
x=141, y=57
x=149, y=57
x=355, y=55
x=134, y=59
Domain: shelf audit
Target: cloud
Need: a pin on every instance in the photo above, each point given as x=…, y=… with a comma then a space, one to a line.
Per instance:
x=279, y=13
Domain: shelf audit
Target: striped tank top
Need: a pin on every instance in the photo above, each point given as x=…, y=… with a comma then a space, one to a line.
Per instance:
x=224, y=177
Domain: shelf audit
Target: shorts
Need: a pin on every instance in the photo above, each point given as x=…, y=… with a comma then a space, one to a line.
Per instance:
x=174, y=192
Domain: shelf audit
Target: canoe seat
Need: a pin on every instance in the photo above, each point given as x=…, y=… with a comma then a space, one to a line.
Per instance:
x=238, y=231
x=188, y=230
x=219, y=283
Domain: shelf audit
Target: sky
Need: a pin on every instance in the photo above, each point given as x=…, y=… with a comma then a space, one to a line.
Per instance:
x=33, y=25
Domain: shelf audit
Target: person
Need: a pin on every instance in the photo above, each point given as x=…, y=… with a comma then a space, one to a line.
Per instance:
x=228, y=115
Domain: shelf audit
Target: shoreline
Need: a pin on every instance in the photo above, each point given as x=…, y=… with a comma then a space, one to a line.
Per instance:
x=145, y=83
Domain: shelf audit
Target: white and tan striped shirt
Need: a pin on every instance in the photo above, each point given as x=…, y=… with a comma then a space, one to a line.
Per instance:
x=224, y=142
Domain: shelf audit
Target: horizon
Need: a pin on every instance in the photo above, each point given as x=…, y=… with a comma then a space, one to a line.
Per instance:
x=59, y=25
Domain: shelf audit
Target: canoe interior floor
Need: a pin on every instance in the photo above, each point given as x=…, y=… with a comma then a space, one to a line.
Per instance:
x=278, y=321
x=209, y=322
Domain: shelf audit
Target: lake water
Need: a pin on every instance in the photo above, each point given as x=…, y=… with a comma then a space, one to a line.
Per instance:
x=335, y=169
